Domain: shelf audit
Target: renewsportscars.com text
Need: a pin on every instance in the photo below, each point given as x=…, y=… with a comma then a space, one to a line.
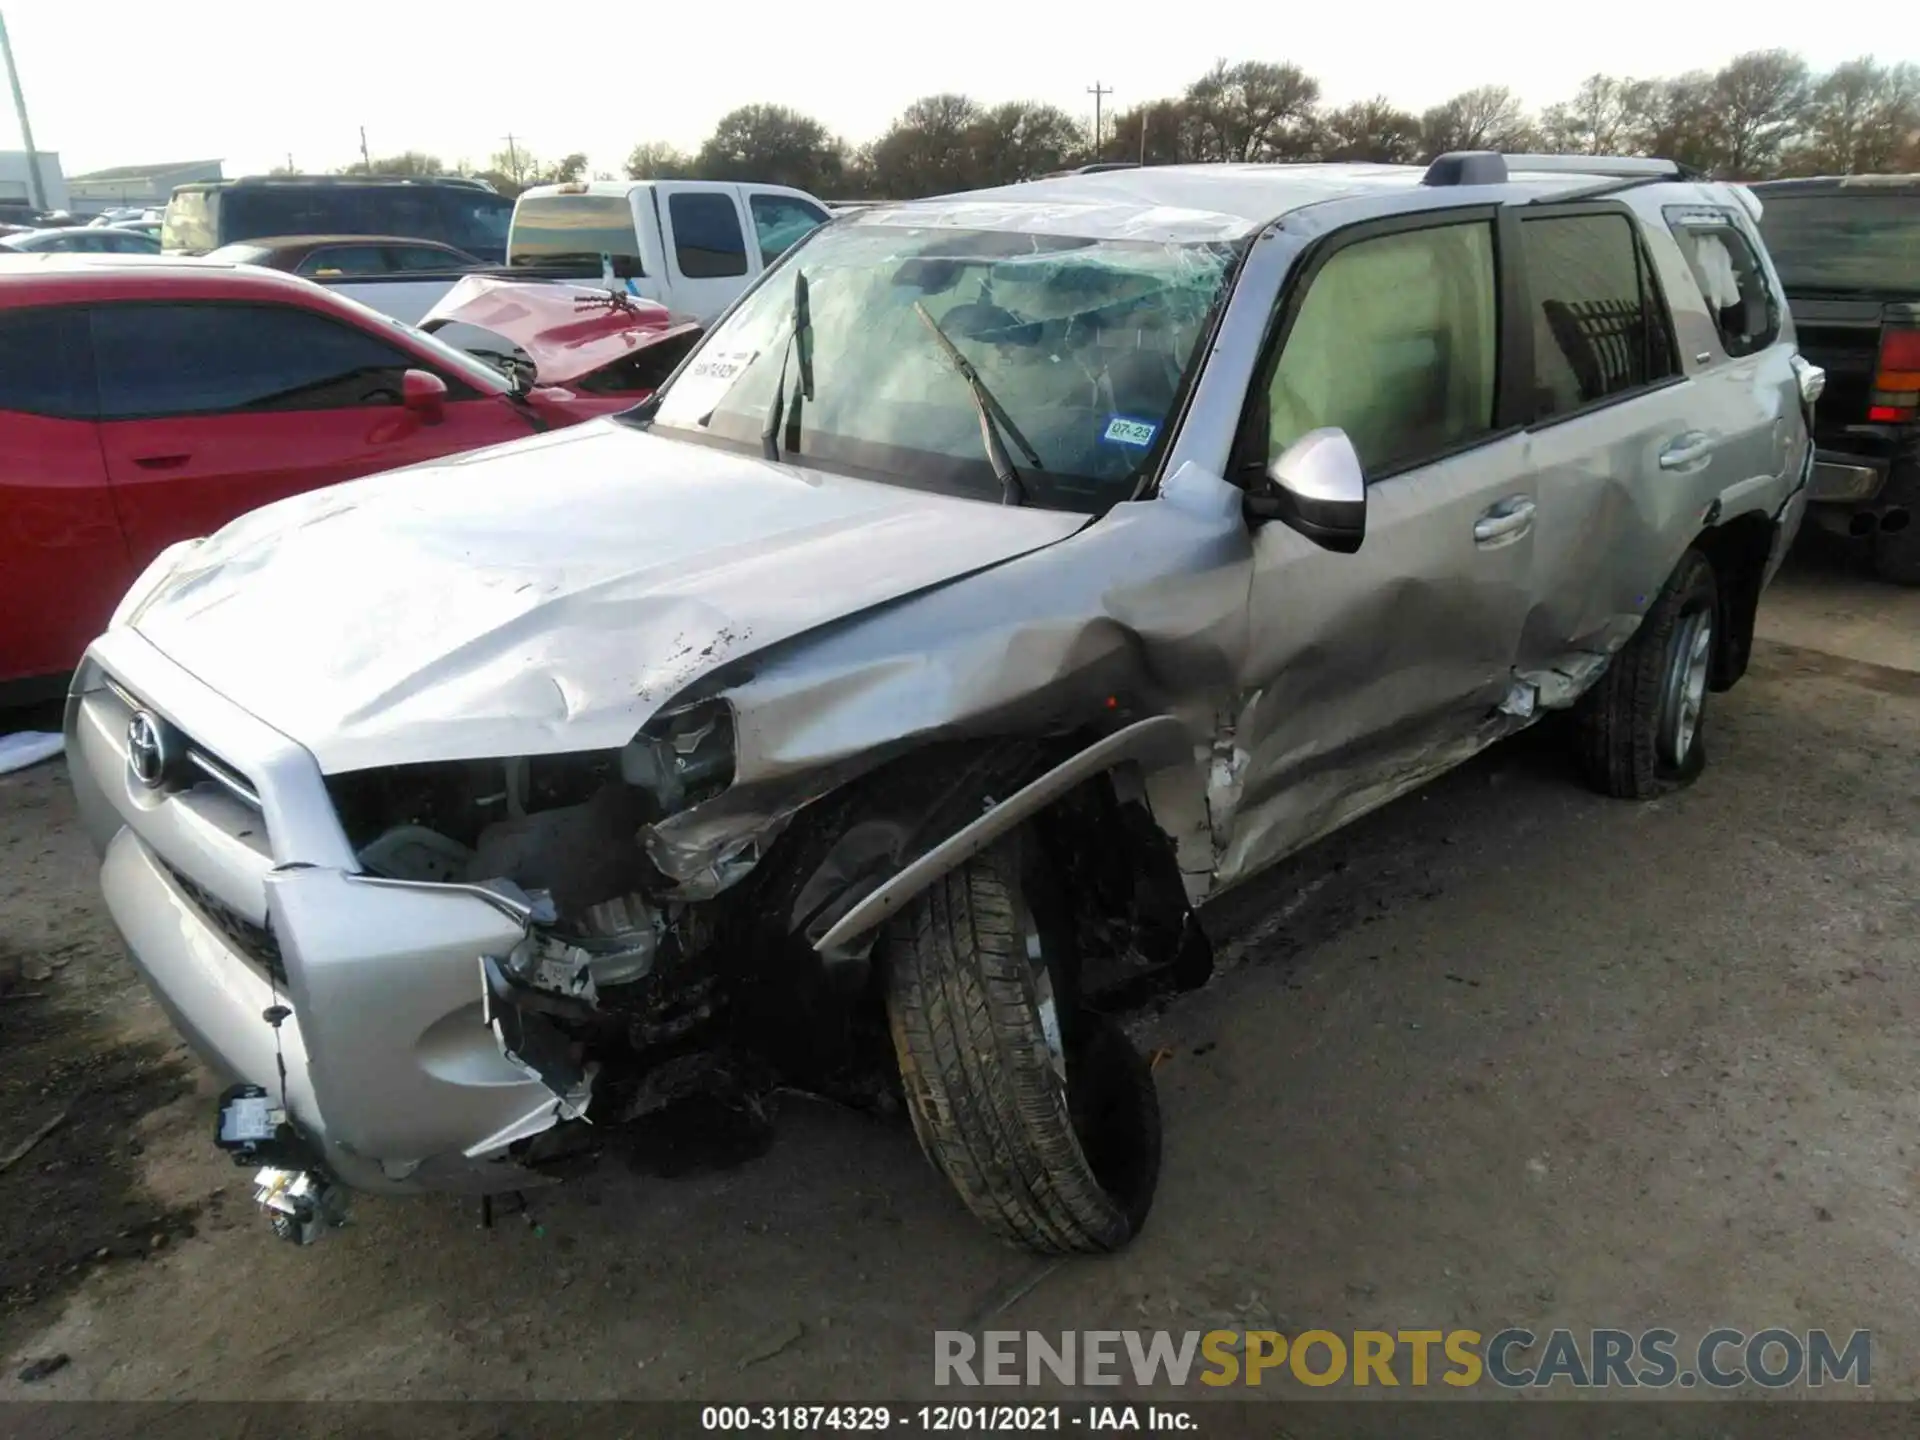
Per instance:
x=1513, y=1358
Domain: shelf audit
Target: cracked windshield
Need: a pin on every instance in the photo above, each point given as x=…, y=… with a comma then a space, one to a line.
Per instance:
x=1041, y=369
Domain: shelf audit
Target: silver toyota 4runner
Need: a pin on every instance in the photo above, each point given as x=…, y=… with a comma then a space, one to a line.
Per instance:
x=1002, y=578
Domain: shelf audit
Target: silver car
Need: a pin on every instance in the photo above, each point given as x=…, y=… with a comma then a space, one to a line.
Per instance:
x=1005, y=576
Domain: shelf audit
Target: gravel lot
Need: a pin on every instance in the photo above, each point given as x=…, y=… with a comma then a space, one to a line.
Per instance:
x=1503, y=1053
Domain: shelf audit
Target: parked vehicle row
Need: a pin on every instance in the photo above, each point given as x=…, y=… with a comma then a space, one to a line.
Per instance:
x=147, y=401
x=1848, y=251
x=1005, y=577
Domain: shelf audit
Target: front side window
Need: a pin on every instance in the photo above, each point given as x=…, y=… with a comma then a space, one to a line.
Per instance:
x=212, y=359
x=43, y=364
x=1084, y=344
x=779, y=221
x=706, y=236
x=1599, y=327
x=1395, y=342
x=1730, y=278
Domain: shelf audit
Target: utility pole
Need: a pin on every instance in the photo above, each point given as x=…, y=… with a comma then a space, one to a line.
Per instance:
x=513, y=160
x=38, y=187
x=1099, y=93
x=365, y=158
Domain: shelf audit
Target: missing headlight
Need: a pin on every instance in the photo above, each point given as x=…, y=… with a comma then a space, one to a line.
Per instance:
x=682, y=757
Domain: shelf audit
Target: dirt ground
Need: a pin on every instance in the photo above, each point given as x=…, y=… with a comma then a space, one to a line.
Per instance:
x=1502, y=1054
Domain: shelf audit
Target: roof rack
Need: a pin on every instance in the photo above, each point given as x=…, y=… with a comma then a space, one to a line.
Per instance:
x=464, y=182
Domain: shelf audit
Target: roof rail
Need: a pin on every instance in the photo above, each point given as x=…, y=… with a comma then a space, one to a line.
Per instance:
x=1620, y=166
x=1100, y=167
x=1467, y=167
x=464, y=182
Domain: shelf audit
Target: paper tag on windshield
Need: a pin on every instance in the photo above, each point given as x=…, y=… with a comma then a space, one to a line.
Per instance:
x=709, y=377
x=1123, y=431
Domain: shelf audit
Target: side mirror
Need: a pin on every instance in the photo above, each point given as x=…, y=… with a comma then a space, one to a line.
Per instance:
x=425, y=394
x=1318, y=488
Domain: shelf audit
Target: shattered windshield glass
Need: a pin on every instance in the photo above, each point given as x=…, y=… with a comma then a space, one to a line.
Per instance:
x=1083, y=344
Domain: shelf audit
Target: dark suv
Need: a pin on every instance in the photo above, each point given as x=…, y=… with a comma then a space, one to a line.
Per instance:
x=1848, y=252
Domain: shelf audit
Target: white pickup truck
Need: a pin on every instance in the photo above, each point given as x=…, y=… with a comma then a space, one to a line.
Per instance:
x=691, y=245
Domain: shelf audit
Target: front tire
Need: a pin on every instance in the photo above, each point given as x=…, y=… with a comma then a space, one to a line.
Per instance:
x=1639, y=729
x=1896, y=555
x=1043, y=1119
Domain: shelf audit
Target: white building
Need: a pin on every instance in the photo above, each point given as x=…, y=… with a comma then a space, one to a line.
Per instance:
x=148, y=186
x=16, y=184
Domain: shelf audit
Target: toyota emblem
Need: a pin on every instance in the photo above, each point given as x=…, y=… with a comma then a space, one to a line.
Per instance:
x=147, y=755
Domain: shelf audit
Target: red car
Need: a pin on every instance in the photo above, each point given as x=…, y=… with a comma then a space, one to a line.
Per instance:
x=144, y=401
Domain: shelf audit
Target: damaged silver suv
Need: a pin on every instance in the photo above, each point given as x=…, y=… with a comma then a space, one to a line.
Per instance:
x=1004, y=576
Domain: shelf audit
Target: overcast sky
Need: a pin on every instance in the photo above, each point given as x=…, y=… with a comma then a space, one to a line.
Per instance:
x=115, y=83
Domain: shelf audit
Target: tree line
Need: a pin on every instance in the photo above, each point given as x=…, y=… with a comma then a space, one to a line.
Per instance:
x=1763, y=114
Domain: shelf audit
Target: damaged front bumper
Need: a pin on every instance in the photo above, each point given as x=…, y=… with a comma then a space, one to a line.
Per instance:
x=238, y=899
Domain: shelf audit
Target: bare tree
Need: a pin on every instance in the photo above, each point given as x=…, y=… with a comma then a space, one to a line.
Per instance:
x=774, y=144
x=1252, y=111
x=1761, y=96
x=1683, y=122
x=928, y=148
x=1020, y=140
x=1373, y=129
x=1862, y=118
x=1168, y=137
x=408, y=162
x=1488, y=117
x=651, y=160
x=1606, y=116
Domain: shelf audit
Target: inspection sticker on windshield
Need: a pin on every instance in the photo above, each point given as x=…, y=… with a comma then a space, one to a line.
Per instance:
x=1122, y=431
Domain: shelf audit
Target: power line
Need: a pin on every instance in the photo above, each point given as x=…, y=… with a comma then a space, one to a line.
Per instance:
x=1099, y=93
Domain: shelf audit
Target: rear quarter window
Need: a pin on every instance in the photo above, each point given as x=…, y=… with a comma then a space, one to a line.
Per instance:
x=1731, y=278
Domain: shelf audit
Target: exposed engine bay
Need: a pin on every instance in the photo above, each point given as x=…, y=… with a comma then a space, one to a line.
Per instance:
x=634, y=987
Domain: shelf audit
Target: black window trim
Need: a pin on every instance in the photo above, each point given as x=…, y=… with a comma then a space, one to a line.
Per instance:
x=1649, y=273
x=457, y=388
x=1508, y=389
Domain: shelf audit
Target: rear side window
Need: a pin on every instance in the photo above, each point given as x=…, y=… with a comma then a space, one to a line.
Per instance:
x=188, y=223
x=424, y=257
x=213, y=359
x=44, y=364
x=707, y=241
x=779, y=221
x=1395, y=342
x=1730, y=276
x=1599, y=326
x=557, y=229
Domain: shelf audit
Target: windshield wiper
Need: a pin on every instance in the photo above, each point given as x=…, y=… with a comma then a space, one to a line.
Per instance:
x=801, y=337
x=993, y=417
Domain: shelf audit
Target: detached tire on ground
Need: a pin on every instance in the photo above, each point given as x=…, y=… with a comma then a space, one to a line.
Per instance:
x=1638, y=730
x=1044, y=1120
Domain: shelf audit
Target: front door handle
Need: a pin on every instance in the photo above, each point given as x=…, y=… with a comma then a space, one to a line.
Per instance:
x=1507, y=521
x=161, y=462
x=1685, y=449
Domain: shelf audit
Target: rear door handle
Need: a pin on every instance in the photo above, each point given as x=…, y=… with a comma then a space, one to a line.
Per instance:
x=161, y=462
x=1508, y=520
x=1683, y=450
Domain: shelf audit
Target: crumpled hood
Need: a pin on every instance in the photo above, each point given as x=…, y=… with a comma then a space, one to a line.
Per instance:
x=568, y=331
x=546, y=595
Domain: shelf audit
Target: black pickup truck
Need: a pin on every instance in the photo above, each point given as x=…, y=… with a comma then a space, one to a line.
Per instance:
x=1848, y=252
